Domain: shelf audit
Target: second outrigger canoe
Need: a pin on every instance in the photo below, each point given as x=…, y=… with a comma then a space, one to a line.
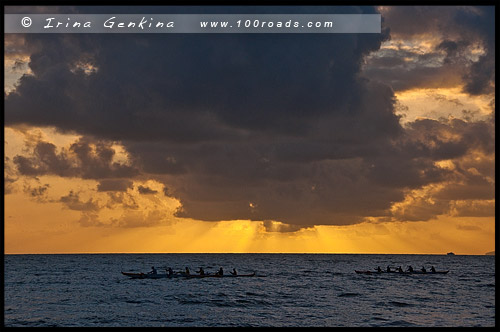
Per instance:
x=141, y=275
x=405, y=272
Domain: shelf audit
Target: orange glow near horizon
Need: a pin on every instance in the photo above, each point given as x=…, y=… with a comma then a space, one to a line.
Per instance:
x=45, y=228
x=470, y=236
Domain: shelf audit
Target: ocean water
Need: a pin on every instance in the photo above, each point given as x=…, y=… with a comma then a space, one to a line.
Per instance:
x=293, y=290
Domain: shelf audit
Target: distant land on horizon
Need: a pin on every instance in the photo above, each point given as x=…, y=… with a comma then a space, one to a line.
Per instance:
x=490, y=253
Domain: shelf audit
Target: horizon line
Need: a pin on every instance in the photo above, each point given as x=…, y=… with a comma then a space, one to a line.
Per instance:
x=489, y=253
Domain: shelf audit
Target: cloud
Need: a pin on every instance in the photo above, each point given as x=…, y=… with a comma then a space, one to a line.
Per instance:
x=90, y=219
x=10, y=176
x=85, y=158
x=225, y=73
x=45, y=160
x=146, y=190
x=122, y=200
x=281, y=127
x=121, y=210
x=96, y=160
x=143, y=219
x=467, y=208
x=454, y=47
x=72, y=201
x=272, y=226
x=409, y=76
x=449, y=138
x=38, y=193
x=129, y=219
x=114, y=185
x=18, y=65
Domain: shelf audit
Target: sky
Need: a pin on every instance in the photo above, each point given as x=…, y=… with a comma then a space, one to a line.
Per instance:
x=253, y=143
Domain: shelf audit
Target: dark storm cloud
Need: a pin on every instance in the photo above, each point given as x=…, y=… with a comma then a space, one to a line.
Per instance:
x=460, y=28
x=467, y=186
x=480, y=24
x=468, y=183
x=45, y=160
x=98, y=163
x=447, y=139
x=189, y=87
x=85, y=158
x=237, y=126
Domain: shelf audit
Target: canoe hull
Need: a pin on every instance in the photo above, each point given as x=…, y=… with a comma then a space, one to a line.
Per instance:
x=180, y=275
x=220, y=276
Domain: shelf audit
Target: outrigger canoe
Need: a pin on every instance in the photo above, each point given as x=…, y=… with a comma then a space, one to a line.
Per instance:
x=219, y=276
x=180, y=275
x=405, y=272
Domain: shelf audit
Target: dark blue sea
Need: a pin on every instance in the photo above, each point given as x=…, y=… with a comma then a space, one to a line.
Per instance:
x=292, y=290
